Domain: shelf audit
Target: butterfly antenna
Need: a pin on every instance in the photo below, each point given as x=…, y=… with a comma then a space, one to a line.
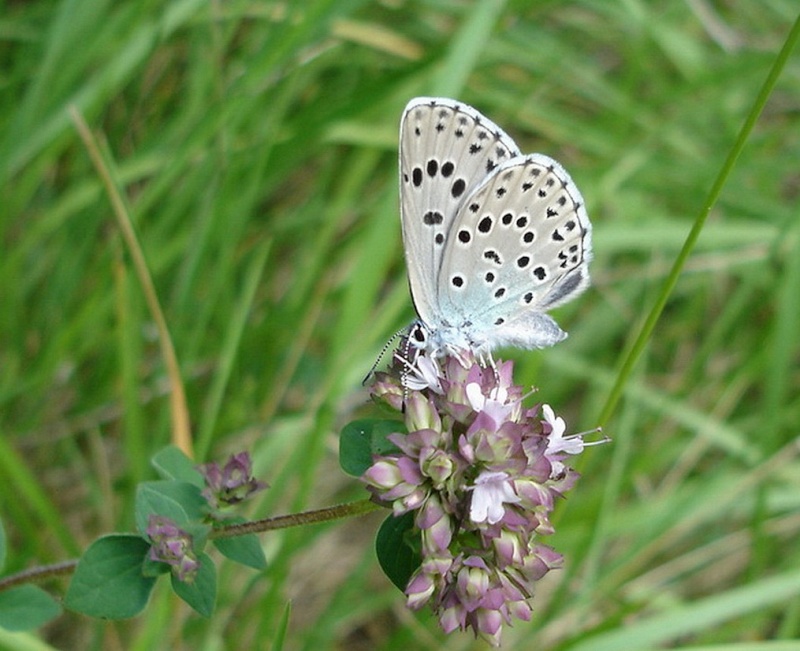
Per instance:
x=386, y=347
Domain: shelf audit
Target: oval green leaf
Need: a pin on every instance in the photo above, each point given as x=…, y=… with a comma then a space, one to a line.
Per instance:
x=171, y=463
x=200, y=594
x=108, y=582
x=26, y=607
x=179, y=501
x=394, y=546
x=243, y=549
x=362, y=439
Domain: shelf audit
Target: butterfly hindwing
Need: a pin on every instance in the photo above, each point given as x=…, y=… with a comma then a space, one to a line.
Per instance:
x=519, y=245
x=446, y=150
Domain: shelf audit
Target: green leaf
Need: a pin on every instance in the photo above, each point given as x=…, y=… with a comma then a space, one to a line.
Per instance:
x=243, y=549
x=199, y=532
x=108, y=581
x=171, y=463
x=394, y=545
x=154, y=568
x=201, y=594
x=283, y=626
x=26, y=607
x=362, y=439
x=179, y=501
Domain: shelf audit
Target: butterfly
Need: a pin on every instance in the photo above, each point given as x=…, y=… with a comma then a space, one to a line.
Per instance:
x=493, y=238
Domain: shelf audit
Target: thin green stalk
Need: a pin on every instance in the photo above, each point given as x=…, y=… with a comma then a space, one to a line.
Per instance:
x=230, y=346
x=179, y=411
x=716, y=189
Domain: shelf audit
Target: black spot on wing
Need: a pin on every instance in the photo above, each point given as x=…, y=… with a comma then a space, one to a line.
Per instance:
x=432, y=217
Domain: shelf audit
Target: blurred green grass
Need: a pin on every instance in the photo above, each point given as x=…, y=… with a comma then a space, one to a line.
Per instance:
x=256, y=147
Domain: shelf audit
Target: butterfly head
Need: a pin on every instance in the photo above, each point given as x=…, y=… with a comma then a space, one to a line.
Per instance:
x=446, y=340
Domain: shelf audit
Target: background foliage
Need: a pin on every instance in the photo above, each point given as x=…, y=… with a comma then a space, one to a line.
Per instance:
x=256, y=145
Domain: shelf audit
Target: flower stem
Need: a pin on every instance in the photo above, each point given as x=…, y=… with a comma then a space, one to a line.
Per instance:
x=42, y=572
x=296, y=519
x=39, y=573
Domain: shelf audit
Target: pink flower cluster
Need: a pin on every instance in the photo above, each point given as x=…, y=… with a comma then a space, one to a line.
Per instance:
x=231, y=483
x=173, y=546
x=481, y=474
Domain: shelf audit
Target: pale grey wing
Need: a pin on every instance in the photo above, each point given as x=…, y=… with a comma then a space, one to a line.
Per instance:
x=520, y=245
x=446, y=150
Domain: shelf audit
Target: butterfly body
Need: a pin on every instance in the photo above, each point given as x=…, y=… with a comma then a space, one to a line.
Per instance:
x=493, y=238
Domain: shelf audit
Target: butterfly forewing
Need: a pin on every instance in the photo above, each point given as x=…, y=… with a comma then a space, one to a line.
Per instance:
x=446, y=150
